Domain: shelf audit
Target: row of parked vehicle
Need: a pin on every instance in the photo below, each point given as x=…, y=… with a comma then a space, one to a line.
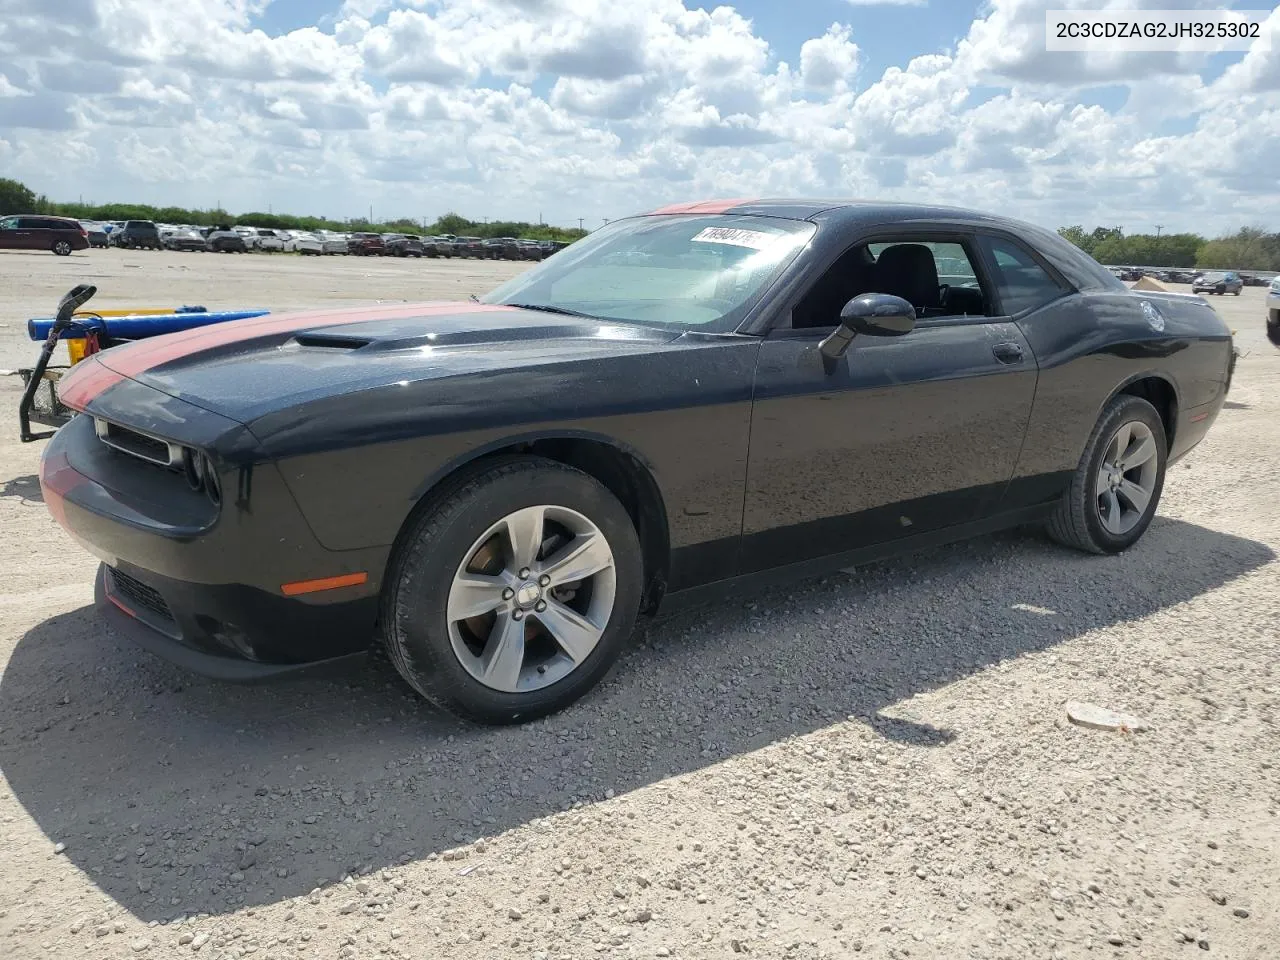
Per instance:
x=146, y=235
x=1218, y=281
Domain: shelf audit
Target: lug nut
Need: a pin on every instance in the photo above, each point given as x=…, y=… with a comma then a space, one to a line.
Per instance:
x=508, y=593
x=517, y=614
x=544, y=580
x=524, y=573
x=540, y=605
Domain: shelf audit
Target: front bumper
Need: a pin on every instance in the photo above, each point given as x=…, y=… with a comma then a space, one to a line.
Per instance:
x=202, y=586
x=128, y=621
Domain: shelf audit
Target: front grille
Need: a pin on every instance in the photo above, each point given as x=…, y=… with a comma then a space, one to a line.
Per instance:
x=138, y=593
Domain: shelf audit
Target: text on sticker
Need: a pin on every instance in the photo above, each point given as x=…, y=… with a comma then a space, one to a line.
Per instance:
x=735, y=237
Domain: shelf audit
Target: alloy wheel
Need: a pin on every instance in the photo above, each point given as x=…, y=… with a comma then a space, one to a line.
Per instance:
x=531, y=598
x=1127, y=477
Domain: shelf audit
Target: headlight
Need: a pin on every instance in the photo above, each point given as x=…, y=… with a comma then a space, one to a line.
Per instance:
x=201, y=474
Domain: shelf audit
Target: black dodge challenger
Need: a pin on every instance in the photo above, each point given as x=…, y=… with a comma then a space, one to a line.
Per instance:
x=710, y=395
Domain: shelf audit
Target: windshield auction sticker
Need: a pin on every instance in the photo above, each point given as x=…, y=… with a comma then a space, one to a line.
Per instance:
x=1121, y=31
x=735, y=237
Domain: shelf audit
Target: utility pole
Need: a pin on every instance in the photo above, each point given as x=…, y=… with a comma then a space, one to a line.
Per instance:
x=580, y=219
x=1159, y=227
x=371, y=214
x=606, y=220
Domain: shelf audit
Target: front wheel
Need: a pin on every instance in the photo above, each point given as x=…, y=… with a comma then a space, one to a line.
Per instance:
x=62, y=248
x=1117, y=485
x=512, y=596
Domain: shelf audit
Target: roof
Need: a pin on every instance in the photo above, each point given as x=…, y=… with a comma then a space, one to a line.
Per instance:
x=846, y=214
x=849, y=209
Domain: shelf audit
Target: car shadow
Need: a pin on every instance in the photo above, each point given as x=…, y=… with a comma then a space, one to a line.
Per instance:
x=25, y=488
x=179, y=796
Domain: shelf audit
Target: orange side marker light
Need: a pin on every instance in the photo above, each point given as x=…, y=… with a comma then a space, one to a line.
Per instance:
x=324, y=583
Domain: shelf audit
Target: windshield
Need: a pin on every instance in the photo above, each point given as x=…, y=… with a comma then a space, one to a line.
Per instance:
x=696, y=272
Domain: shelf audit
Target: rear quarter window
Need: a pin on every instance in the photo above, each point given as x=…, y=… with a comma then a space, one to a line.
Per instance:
x=1020, y=280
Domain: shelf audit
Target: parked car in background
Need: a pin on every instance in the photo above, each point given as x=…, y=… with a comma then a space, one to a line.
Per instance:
x=137, y=235
x=334, y=243
x=469, y=247
x=34, y=232
x=307, y=244
x=366, y=245
x=402, y=245
x=223, y=239
x=188, y=240
x=1253, y=280
x=501, y=248
x=265, y=240
x=530, y=250
x=1219, y=283
x=1273, y=307
x=95, y=232
x=441, y=246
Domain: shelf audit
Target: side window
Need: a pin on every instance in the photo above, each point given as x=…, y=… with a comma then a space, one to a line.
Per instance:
x=30, y=223
x=9, y=223
x=937, y=277
x=1021, y=282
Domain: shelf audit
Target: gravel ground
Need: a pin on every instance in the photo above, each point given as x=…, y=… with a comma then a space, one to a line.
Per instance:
x=873, y=764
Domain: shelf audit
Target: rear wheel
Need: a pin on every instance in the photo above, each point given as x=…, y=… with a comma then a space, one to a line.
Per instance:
x=62, y=248
x=1117, y=484
x=512, y=596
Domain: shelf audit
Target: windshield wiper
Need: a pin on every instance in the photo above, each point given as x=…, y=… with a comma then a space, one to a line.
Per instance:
x=547, y=308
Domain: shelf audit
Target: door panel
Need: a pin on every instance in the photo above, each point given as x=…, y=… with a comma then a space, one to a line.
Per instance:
x=904, y=435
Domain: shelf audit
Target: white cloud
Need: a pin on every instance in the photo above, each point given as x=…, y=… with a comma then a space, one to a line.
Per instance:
x=593, y=108
x=829, y=63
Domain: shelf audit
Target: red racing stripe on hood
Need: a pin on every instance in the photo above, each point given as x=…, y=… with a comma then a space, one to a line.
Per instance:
x=86, y=380
x=703, y=206
x=132, y=359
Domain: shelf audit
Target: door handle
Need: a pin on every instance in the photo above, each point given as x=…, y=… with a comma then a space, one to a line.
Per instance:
x=1007, y=352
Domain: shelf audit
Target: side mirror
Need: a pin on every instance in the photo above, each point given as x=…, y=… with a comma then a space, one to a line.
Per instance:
x=872, y=315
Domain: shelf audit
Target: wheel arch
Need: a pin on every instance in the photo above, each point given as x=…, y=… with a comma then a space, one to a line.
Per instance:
x=1161, y=392
x=622, y=470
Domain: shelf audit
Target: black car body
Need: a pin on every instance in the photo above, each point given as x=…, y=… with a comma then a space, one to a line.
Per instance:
x=137, y=235
x=402, y=245
x=501, y=248
x=59, y=235
x=1218, y=283
x=222, y=239
x=469, y=247
x=366, y=245
x=185, y=240
x=255, y=491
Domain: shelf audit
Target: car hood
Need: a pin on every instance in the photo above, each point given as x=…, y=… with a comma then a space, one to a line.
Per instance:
x=246, y=369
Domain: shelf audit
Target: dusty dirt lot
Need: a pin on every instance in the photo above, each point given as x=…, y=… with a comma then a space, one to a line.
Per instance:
x=874, y=764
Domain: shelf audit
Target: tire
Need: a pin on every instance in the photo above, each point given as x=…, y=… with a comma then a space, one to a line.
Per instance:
x=443, y=535
x=1273, y=319
x=1078, y=520
x=1235, y=293
x=62, y=248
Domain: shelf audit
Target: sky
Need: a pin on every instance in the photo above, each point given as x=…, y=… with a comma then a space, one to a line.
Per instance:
x=566, y=109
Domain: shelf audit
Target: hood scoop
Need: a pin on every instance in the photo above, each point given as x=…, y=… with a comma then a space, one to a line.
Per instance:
x=333, y=341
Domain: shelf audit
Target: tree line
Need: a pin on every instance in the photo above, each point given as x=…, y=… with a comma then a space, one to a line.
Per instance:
x=1249, y=248
x=15, y=197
